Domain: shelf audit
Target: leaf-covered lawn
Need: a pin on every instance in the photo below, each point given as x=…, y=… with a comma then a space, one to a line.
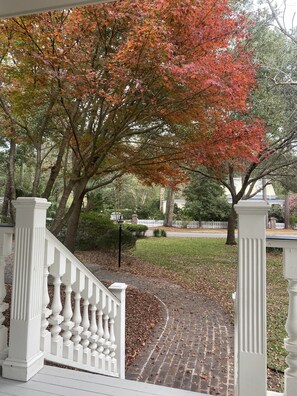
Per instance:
x=208, y=266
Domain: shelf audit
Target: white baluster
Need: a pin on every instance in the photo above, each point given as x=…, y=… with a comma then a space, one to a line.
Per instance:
x=106, y=337
x=56, y=319
x=93, y=329
x=45, y=340
x=100, y=332
x=113, y=347
x=101, y=341
x=85, y=324
x=85, y=335
x=290, y=273
x=77, y=329
x=67, y=325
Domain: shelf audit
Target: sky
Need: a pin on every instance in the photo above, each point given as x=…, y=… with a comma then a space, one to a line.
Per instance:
x=287, y=8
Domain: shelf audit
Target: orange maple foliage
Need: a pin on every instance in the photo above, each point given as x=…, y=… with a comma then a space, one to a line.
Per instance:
x=138, y=84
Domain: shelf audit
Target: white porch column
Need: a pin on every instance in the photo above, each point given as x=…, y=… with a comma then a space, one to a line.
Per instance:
x=24, y=356
x=250, y=326
x=119, y=290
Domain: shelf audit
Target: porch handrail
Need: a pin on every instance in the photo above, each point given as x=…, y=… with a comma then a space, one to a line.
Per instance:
x=88, y=322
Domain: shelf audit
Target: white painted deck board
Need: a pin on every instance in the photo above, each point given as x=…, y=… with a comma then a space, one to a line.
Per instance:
x=62, y=382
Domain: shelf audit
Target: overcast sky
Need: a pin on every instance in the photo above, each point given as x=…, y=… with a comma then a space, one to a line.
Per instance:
x=287, y=8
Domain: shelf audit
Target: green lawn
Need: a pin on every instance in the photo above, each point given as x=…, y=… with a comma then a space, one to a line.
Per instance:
x=208, y=266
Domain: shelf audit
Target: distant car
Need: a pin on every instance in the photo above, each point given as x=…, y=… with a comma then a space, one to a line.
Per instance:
x=115, y=216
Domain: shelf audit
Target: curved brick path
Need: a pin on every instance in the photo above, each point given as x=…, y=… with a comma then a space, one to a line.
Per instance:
x=192, y=348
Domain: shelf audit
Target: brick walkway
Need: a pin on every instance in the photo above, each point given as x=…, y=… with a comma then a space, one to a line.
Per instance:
x=192, y=348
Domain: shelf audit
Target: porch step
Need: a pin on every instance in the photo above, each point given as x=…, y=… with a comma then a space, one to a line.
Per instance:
x=63, y=382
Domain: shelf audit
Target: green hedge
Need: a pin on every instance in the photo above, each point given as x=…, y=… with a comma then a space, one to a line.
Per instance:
x=92, y=226
x=110, y=241
x=138, y=230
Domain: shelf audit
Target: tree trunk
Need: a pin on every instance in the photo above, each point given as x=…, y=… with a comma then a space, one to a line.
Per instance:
x=231, y=227
x=55, y=169
x=73, y=221
x=37, y=173
x=287, y=212
x=8, y=212
x=169, y=209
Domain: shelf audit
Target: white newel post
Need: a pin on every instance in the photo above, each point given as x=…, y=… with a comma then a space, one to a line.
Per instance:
x=6, y=233
x=119, y=290
x=24, y=357
x=250, y=322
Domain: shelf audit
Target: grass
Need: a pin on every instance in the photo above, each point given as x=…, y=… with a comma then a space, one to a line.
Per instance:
x=208, y=266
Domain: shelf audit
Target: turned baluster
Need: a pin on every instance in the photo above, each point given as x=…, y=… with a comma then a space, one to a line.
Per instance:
x=106, y=336
x=100, y=332
x=93, y=329
x=67, y=324
x=112, y=339
x=56, y=319
x=77, y=329
x=85, y=324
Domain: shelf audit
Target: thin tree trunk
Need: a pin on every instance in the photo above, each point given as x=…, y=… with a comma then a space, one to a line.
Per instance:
x=287, y=212
x=8, y=212
x=73, y=221
x=231, y=227
x=55, y=169
x=60, y=213
x=169, y=209
x=37, y=172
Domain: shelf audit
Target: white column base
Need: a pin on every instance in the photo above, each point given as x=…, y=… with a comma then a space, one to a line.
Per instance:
x=22, y=370
x=290, y=385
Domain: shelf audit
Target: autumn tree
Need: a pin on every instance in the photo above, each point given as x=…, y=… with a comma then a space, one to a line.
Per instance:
x=272, y=158
x=127, y=88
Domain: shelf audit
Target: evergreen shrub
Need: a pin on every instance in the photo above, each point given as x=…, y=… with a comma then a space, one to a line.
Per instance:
x=138, y=230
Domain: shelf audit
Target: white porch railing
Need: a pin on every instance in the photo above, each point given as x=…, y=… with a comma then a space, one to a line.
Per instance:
x=87, y=333
x=82, y=325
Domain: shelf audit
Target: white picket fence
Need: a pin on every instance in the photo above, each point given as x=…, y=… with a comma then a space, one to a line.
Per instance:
x=185, y=224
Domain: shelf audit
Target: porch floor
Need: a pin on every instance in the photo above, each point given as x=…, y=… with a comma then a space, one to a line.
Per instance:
x=62, y=382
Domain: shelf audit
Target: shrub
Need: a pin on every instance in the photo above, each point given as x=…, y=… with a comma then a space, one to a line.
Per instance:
x=138, y=230
x=157, y=232
x=92, y=227
x=110, y=240
x=163, y=233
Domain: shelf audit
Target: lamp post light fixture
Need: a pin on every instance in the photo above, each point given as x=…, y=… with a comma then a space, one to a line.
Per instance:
x=120, y=223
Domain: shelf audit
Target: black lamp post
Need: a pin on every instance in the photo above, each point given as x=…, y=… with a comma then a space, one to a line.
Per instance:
x=120, y=222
